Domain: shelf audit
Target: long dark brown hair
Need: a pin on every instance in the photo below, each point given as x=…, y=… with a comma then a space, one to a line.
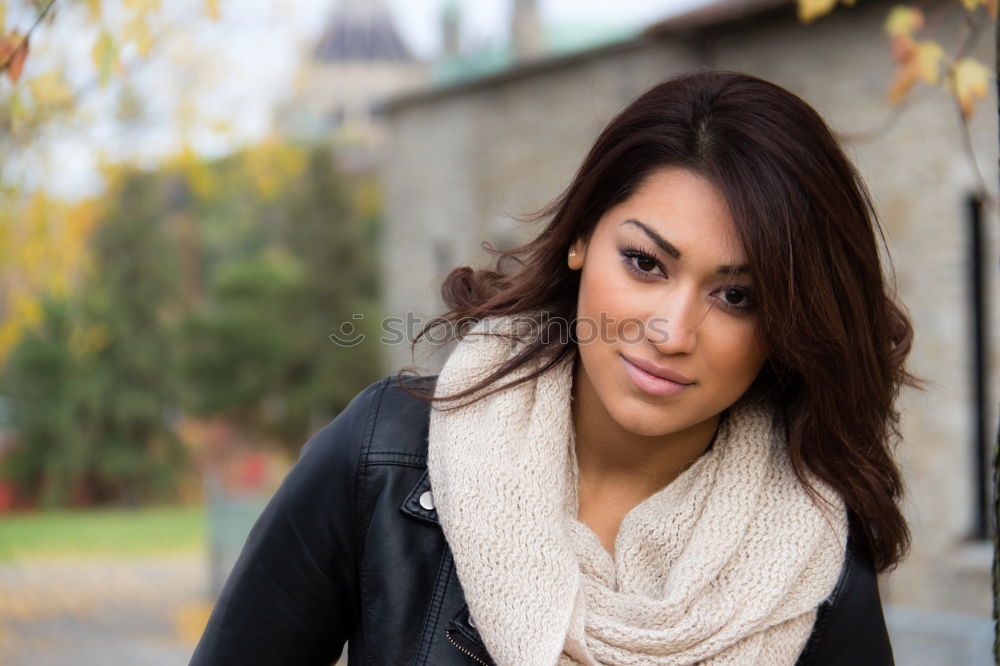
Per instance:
x=837, y=338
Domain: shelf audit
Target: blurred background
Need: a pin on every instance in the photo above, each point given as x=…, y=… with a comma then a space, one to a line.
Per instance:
x=209, y=209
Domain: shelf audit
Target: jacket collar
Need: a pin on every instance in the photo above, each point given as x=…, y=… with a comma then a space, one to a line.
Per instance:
x=420, y=502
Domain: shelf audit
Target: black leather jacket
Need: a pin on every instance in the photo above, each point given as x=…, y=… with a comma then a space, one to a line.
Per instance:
x=349, y=549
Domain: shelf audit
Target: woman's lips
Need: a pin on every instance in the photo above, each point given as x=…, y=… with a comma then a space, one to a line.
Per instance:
x=650, y=383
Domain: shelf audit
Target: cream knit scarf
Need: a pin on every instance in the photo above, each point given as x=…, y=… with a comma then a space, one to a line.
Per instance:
x=725, y=565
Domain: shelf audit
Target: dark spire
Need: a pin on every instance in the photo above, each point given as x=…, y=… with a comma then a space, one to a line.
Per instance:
x=361, y=30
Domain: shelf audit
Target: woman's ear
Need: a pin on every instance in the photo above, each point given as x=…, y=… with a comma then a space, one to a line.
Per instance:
x=576, y=252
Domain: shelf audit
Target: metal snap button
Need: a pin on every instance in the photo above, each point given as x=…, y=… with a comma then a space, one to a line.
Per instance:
x=427, y=500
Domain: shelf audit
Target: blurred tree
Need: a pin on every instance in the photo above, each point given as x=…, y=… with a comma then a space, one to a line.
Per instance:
x=41, y=383
x=258, y=346
x=91, y=385
x=42, y=251
x=241, y=267
x=131, y=386
x=86, y=388
x=288, y=248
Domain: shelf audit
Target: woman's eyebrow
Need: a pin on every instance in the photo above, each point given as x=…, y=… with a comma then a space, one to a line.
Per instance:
x=672, y=250
x=660, y=241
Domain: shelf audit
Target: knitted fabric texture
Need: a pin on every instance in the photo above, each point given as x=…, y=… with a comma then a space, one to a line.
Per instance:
x=725, y=565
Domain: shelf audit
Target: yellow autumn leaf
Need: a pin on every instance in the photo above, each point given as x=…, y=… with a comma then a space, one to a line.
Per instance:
x=26, y=309
x=969, y=81
x=903, y=52
x=212, y=9
x=137, y=30
x=200, y=177
x=130, y=107
x=810, y=10
x=916, y=61
x=44, y=251
x=38, y=211
x=902, y=83
x=112, y=172
x=50, y=89
x=927, y=61
x=81, y=219
x=972, y=5
x=142, y=7
x=8, y=47
x=94, y=9
x=13, y=52
x=185, y=114
x=903, y=21
x=104, y=55
x=220, y=126
x=18, y=112
x=272, y=164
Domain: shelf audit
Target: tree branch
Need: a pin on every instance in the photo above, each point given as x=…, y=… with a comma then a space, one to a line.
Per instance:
x=24, y=42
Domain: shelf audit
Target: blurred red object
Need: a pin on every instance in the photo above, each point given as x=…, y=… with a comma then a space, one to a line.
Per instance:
x=6, y=497
x=254, y=471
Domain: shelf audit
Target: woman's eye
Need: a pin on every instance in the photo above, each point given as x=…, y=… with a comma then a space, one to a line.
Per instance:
x=645, y=264
x=737, y=298
x=641, y=262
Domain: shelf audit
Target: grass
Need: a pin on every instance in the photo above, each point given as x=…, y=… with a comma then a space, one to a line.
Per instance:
x=106, y=532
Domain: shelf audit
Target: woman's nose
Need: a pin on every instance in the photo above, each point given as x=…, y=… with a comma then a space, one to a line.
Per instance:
x=674, y=329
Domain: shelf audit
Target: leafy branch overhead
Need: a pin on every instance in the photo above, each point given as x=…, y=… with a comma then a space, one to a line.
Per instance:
x=15, y=46
x=921, y=59
x=42, y=99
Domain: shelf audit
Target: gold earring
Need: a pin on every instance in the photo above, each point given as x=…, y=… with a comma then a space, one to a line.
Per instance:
x=572, y=260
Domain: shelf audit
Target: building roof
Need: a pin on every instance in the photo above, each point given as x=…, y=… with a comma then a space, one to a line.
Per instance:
x=361, y=31
x=714, y=12
x=559, y=40
x=501, y=67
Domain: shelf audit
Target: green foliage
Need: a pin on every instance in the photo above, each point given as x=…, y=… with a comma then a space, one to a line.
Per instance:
x=90, y=386
x=238, y=343
x=214, y=290
x=130, y=386
x=41, y=383
x=258, y=346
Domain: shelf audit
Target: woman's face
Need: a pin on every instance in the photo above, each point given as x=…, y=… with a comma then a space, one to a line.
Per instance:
x=666, y=331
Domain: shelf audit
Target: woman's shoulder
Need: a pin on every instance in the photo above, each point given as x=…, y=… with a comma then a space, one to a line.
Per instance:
x=294, y=593
x=385, y=418
x=850, y=625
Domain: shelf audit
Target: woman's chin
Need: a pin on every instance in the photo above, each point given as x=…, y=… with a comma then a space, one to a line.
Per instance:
x=639, y=421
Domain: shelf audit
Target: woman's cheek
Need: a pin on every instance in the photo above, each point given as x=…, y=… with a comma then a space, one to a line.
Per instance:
x=745, y=352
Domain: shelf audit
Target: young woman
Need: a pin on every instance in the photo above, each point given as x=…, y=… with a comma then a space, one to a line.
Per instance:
x=664, y=435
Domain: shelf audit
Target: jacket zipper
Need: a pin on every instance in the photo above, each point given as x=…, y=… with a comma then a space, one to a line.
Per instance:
x=464, y=650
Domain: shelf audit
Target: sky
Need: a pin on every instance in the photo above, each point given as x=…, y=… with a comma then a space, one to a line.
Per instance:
x=242, y=66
